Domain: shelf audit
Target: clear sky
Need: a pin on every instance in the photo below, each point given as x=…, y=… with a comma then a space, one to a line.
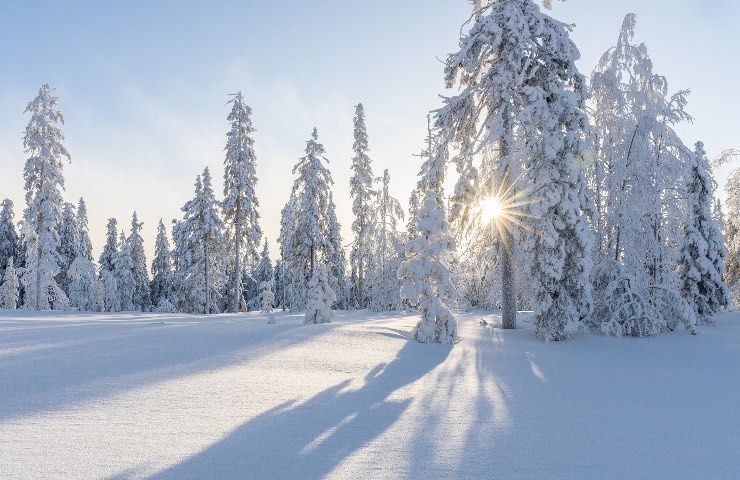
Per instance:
x=144, y=85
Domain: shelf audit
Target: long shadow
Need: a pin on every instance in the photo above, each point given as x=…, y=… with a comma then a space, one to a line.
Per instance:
x=489, y=381
x=310, y=439
x=54, y=368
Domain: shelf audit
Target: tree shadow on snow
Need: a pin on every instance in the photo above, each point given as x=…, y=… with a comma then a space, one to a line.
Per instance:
x=65, y=365
x=310, y=439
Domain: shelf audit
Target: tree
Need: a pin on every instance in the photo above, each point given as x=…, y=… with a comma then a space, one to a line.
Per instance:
x=240, y=201
x=387, y=244
x=9, y=287
x=142, y=293
x=424, y=273
x=43, y=141
x=9, y=241
x=83, y=229
x=200, y=247
x=306, y=234
x=703, y=254
x=161, y=286
x=361, y=190
x=69, y=244
x=110, y=296
x=638, y=175
x=84, y=287
x=267, y=297
x=110, y=248
x=520, y=85
x=336, y=259
x=263, y=271
x=123, y=271
x=280, y=285
x=320, y=297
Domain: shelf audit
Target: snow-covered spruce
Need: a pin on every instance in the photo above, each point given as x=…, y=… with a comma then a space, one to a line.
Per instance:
x=336, y=259
x=141, y=289
x=69, y=244
x=161, y=285
x=105, y=262
x=10, y=246
x=424, y=274
x=9, y=293
x=320, y=297
x=703, y=254
x=262, y=272
x=83, y=229
x=516, y=67
x=307, y=234
x=123, y=272
x=43, y=141
x=109, y=291
x=426, y=278
x=281, y=285
x=267, y=296
x=387, y=252
x=240, y=201
x=200, y=246
x=84, y=287
x=363, y=194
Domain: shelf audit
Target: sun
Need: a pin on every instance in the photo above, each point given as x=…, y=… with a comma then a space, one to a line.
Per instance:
x=492, y=208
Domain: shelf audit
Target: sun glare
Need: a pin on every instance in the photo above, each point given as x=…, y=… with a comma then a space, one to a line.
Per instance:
x=492, y=208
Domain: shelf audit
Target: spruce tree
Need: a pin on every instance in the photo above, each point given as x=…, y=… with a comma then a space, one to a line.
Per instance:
x=123, y=272
x=519, y=82
x=109, y=286
x=361, y=190
x=387, y=241
x=141, y=294
x=83, y=229
x=424, y=273
x=240, y=200
x=336, y=257
x=200, y=235
x=69, y=244
x=280, y=285
x=267, y=296
x=84, y=289
x=264, y=271
x=320, y=297
x=9, y=287
x=9, y=241
x=703, y=254
x=111, y=246
x=161, y=285
x=306, y=235
x=43, y=141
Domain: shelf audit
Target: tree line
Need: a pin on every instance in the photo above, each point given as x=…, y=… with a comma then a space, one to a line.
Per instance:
x=605, y=220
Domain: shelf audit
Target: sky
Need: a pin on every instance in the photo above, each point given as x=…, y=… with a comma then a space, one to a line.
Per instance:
x=144, y=87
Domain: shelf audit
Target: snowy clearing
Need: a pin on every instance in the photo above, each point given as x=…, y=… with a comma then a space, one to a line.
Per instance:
x=176, y=396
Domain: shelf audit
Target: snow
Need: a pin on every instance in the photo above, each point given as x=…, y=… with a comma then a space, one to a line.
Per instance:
x=132, y=395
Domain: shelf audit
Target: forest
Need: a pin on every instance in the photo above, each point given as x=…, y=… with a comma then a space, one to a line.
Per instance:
x=574, y=198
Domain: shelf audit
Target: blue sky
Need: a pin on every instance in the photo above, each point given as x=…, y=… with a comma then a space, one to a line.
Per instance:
x=144, y=86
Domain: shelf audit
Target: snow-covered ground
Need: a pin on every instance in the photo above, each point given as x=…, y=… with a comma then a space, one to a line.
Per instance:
x=172, y=396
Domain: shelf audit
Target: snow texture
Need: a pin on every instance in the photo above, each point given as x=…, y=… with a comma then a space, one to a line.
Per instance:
x=90, y=396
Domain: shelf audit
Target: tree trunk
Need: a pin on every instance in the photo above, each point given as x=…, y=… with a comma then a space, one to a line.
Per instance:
x=361, y=283
x=38, y=261
x=508, y=283
x=310, y=271
x=207, y=307
x=237, y=300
